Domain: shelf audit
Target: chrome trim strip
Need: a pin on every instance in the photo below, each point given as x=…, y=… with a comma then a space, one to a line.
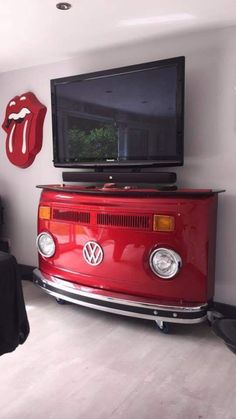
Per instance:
x=77, y=289
x=126, y=313
x=152, y=316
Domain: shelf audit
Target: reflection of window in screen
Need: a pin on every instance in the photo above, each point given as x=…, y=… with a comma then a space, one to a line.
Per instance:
x=91, y=138
x=137, y=143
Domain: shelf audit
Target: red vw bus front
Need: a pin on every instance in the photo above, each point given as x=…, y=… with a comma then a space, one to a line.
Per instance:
x=142, y=253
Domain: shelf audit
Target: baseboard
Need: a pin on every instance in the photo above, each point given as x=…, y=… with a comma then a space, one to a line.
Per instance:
x=226, y=310
x=26, y=272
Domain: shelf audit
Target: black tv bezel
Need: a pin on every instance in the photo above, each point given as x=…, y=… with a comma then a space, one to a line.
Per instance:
x=180, y=64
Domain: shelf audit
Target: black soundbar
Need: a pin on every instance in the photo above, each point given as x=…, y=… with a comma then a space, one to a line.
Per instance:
x=121, y=177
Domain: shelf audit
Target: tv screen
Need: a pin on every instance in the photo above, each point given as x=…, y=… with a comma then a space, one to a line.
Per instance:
x=120, y=117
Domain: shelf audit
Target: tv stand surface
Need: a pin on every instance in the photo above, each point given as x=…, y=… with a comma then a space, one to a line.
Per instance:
x=128, y=191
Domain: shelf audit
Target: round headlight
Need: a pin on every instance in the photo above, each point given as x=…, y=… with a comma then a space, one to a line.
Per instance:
x=165, y=263
x=45, y=245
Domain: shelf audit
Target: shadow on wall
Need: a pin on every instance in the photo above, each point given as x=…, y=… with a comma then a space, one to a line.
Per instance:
x=204, y=106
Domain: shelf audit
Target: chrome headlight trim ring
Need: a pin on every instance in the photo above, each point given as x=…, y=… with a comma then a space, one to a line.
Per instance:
x=51, y=243
x=172, y=255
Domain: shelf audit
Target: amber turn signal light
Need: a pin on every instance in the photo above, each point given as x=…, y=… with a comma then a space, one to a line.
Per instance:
x=44, y=213
x=163, y=223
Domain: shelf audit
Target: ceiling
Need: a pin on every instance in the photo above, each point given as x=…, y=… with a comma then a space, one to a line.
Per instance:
x=35, y=32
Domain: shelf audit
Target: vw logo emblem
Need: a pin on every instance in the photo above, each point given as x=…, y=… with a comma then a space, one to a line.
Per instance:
x=93, y=253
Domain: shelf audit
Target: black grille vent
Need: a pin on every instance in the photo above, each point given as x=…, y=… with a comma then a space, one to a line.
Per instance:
x=78, y=217
x=120, y=220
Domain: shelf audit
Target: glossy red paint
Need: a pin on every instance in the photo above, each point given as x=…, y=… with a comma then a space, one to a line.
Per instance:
x=121, y=222
x=23, y=124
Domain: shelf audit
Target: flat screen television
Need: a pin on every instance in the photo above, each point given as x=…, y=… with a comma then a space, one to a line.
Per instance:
x=125, y=117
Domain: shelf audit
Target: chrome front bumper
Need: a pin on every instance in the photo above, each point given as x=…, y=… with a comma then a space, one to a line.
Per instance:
x=117, y=303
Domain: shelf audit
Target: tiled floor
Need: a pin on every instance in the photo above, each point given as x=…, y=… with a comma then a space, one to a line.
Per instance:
x=80, y=363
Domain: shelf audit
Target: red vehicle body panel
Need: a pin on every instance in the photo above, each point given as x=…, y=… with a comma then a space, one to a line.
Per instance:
x=121, y=222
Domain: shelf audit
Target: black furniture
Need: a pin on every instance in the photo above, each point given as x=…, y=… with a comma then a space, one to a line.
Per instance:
x=14, y=325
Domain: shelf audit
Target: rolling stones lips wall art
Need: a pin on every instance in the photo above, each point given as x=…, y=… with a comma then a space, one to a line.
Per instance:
x=23, y=124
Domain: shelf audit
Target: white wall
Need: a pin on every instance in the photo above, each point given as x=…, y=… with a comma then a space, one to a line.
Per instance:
x=210, y=141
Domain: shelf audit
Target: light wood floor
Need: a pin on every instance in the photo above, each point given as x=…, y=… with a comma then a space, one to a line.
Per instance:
x=79, y=363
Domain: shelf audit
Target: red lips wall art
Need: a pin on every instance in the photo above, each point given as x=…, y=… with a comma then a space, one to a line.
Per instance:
x=23, y=124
